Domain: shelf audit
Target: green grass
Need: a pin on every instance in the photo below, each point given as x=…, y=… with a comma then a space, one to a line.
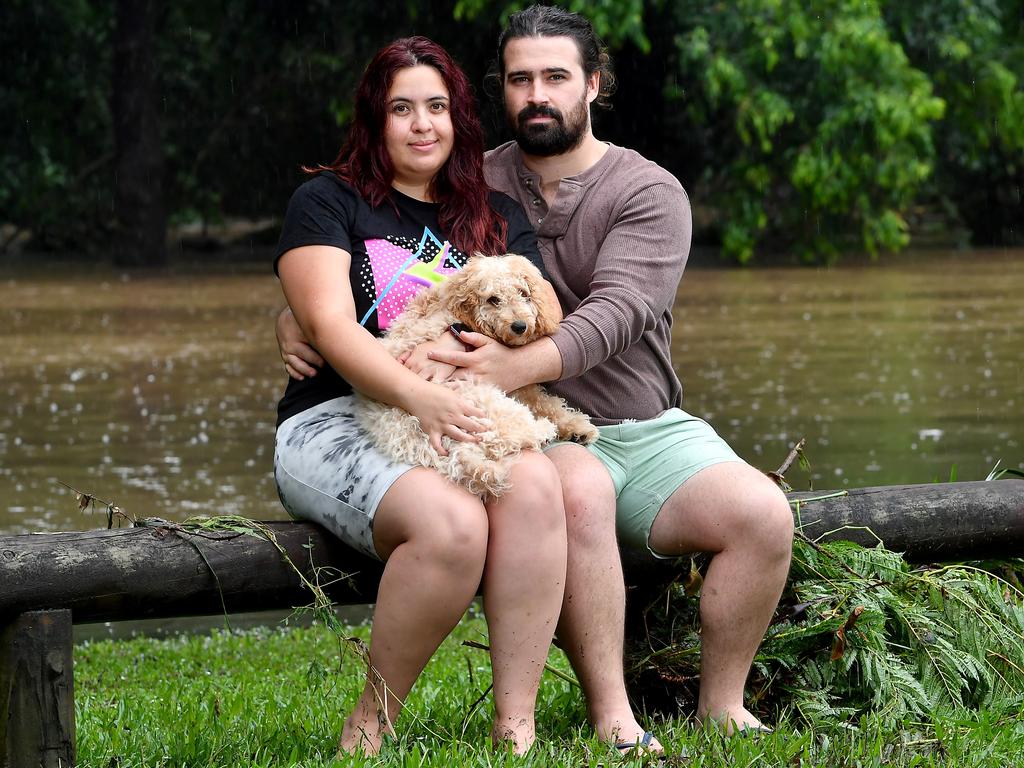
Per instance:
x=277, y=697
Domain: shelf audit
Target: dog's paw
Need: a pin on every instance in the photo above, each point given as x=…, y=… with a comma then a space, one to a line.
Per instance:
x=578, y=430
x=586, y=438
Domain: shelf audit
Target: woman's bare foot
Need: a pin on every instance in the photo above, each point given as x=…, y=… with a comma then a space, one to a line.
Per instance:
x=363, y=735
x=515, y=736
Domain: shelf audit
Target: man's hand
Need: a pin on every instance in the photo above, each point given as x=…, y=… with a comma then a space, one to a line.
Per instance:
x=418, y=360
x=505, y=367
x=300, y=359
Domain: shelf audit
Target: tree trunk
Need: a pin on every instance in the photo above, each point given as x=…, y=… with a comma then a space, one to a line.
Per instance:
x=940, y=522
x=141, y=221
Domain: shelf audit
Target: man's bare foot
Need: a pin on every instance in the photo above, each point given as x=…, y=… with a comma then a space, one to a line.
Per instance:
x=738, y=722
x=515, y=736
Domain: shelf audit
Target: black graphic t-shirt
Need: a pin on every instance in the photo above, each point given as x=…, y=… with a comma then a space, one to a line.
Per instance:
x=394, y=257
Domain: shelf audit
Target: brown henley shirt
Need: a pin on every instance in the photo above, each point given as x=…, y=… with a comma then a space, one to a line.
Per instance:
x=615, y=243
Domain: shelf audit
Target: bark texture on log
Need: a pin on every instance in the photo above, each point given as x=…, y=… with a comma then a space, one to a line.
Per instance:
x=927, y=523
x=152, y=572
x=37, y=700
x=136, y=573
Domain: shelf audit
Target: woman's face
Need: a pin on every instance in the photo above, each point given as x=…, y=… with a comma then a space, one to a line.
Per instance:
x=418, y=134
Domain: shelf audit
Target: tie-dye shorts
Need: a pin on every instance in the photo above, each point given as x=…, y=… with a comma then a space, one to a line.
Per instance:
x=328, y=472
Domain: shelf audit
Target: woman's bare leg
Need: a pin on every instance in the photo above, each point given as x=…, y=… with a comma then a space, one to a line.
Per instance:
x=523, y=583
x=433, y=536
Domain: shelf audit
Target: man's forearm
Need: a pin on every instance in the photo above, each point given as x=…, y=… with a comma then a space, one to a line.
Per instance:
x=537, y=363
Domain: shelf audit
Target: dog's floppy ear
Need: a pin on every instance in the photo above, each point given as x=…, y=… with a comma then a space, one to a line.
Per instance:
x=460, y=292
x=549, y=312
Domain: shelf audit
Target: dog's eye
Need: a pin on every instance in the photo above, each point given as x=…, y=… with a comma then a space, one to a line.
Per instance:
x=524, y=293
x=494, y=301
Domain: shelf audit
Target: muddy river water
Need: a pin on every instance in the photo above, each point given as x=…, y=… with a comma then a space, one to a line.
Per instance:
x=157, y=393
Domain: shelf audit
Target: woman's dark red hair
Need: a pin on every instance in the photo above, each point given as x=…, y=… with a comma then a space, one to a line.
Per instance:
x=459, y=187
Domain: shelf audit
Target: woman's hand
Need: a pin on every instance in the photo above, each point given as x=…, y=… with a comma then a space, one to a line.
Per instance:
x=442, y=411
x=417, y=360
x=300, y=359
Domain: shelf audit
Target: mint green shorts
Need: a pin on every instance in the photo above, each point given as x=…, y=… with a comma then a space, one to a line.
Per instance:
x=649, y=460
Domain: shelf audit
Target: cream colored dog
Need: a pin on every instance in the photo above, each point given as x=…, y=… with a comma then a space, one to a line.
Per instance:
x=501, y=297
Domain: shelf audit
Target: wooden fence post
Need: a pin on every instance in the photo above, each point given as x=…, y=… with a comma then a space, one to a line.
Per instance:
x=37, y=701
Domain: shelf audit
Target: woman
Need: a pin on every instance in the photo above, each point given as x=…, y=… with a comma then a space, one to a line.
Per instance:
x=401, y=206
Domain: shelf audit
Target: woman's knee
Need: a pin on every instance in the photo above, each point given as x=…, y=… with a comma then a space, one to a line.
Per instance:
x=443, y=522
x=455, y=530
x=537, y=475
x=535, y=498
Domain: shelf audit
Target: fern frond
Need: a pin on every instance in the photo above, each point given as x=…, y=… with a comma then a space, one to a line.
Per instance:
x=862, y=633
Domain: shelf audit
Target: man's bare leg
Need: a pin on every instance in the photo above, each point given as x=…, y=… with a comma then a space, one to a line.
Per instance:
x=592, y=623
x=740, y=516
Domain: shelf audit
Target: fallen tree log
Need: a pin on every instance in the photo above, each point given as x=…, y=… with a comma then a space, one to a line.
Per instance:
x=160, y=570
x=928, y=523
x=134, y=573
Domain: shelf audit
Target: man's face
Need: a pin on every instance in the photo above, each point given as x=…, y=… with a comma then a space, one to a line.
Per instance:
x=547, y=96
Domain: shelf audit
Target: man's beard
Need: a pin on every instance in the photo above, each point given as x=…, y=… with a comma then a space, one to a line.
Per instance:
x=554, y=138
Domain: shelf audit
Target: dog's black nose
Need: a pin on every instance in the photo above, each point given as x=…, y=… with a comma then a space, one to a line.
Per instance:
x=518, y=327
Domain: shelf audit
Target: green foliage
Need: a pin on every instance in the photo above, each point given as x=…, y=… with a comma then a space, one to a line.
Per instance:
x=56, y=123
x=973, y=52
x=277, y=697
x=822, y=126
x=615, y=21
x=245, y=95
x=864, y=634
x=900, y=641
x=998, y=472
x=804, y=127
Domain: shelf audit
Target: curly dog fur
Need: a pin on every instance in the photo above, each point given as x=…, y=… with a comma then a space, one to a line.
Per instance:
x=501, y=297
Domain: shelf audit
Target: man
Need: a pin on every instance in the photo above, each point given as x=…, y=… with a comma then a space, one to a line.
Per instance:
x=614, y=230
